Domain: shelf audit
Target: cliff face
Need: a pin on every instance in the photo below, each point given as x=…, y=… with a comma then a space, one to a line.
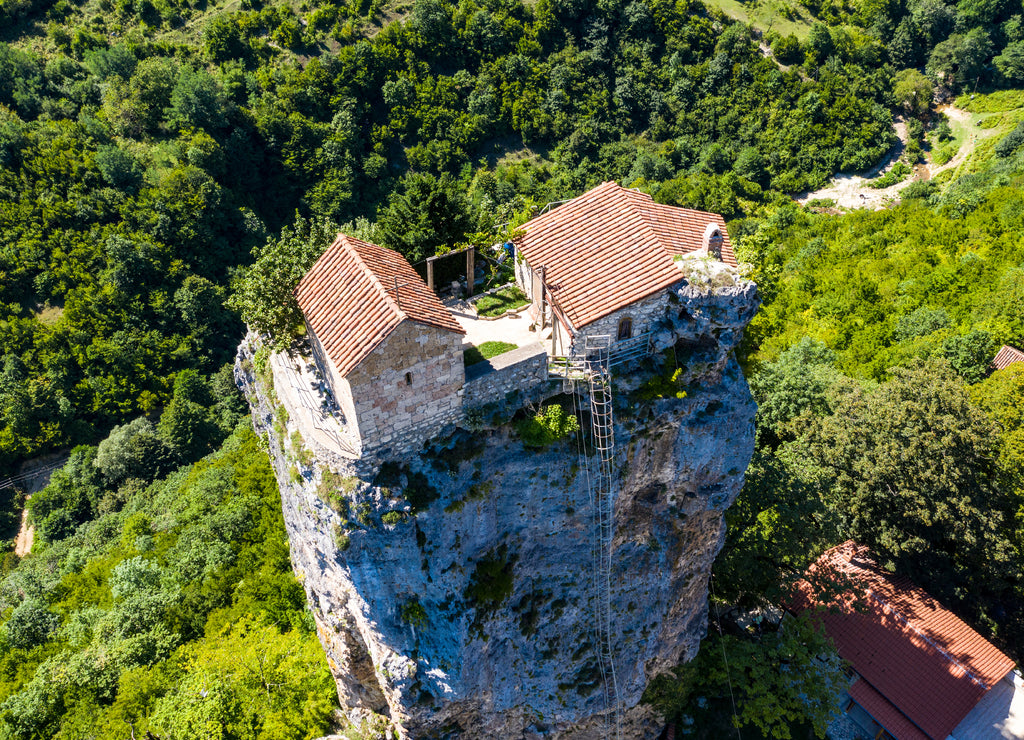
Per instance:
x=472, y=616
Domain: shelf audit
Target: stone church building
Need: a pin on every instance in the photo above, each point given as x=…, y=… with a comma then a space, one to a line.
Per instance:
x=605, y=263
x=387, y=349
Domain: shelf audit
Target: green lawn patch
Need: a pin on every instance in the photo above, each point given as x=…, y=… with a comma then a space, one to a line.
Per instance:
x=499, y=302
x=997, y=102
x=486, y=351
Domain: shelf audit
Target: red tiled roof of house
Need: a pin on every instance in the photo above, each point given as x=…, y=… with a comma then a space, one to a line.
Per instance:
x=915, y=653
x=611, y=247
x=357, y=293
x=884, y=713
x=1006, y=356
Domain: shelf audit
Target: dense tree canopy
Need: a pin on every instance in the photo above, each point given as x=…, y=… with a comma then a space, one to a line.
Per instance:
x=167, y=168
x=158, y=596
x=911, y=471
x=139, y=172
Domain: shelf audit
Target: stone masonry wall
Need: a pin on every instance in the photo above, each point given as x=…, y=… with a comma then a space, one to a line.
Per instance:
x=524, y=275
x=646, y=315
x=524, y=370
x=395, y=415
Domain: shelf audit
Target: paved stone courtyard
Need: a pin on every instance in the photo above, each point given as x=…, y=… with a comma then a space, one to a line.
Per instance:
x=514, y=328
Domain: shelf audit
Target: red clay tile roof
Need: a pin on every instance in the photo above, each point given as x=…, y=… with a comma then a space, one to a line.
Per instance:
x=1006, y=356
x=884, y=713
x=918, y=655
x=350, y=301
x=611, y=247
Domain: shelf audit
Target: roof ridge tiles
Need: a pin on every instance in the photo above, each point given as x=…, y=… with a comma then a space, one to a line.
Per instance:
x=347, y=305
x=392, y=303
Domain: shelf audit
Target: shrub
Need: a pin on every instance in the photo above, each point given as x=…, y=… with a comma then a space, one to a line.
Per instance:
x=364, y=514
x=786, y=49
x=302, y=453
x=667, y=385
x=547, y=427
x=133, y=450
x=118, y=167
x=413, y=613
x=1011, y=142
x=30, y=624
x=898, y=173
x=942, y=130
x=918, y=189
x=969, y=354
x=393, y=517
x=944, y=154
x=921, y=322
x=335, y=489
x=491, y=583
x=341, y=539
x=913, y=153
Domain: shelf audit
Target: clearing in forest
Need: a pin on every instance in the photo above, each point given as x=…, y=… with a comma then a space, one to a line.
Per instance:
x=976, y=126
x=782, y=16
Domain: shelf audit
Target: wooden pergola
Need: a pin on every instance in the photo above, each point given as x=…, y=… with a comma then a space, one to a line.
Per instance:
x=470, y=266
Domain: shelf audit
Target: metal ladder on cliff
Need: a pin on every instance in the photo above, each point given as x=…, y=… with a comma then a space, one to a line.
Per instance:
x=593, y=369
x=598, y=352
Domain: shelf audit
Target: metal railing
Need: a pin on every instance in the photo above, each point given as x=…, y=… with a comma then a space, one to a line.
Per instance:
x=628, y=350
x=15, y=480
x=321, y=407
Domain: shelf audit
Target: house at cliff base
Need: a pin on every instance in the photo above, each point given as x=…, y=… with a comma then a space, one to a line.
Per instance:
x=609, y=263
x=1007, y=356
x=920, y=673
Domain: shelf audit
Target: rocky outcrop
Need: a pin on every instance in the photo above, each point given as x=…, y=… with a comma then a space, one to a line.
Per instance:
x=453, y=591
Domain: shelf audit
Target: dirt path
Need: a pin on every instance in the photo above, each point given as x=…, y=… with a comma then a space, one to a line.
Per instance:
x=35, y=475
x=974, y=134
x=23, y=542
x=853, y=191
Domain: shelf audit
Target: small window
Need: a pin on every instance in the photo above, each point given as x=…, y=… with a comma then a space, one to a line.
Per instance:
x=408, y=378
x=715, y=243
x=625, y=328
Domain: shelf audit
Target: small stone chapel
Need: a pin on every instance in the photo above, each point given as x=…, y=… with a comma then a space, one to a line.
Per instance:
x=389, y=352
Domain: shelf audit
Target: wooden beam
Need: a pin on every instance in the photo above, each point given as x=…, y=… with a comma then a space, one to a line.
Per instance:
x=470, y=268
x=542, y=299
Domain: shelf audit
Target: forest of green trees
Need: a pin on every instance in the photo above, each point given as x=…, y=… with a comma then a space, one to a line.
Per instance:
x=152, y=151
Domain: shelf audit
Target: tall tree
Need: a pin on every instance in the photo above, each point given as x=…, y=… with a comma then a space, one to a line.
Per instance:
x=777, y=680
x=264, y=292
x=910, y=470
x=424, y=214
